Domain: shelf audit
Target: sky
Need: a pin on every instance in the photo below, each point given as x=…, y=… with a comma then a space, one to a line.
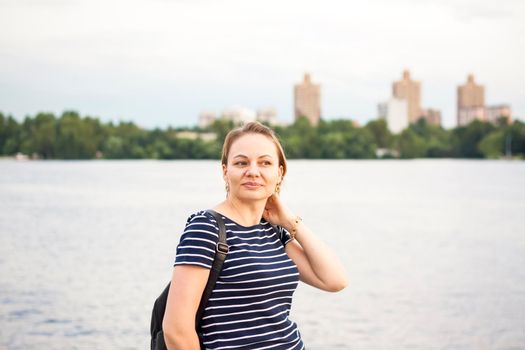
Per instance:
x=160, y=63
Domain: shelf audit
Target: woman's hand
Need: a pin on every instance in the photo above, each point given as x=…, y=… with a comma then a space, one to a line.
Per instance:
x=318, y=265
x=276, y=213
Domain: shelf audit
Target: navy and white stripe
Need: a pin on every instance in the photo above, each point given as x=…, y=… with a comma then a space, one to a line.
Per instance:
x=250, y=305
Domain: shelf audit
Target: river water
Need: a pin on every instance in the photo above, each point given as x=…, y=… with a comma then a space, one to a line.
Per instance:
x=434, y=250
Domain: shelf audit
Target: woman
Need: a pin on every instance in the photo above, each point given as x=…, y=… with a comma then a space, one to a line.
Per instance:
x=250, y=304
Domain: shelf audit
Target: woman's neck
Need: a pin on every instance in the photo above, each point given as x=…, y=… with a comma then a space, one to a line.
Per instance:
x=246, y=214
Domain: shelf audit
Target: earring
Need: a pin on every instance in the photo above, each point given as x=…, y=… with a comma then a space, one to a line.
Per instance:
x=278, y=188
x=227, y=187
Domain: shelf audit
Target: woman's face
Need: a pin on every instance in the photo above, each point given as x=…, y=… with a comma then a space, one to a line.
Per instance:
x=253, y=168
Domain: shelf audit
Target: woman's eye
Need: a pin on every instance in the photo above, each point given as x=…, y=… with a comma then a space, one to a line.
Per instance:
x=266, y=162
x=239, y=163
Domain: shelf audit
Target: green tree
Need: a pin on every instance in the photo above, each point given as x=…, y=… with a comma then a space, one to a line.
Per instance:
x=466, y=139
x=333, y=145
x=410, y=144
x=221, y=127
x=10, y=133
x=39, y=135
x=113, y=147
x=379, y=131
x=157, y=144
x=3, y=132
x=301, y=139
x=514, y=135
x=493, y=144
x=517, y=134
x=127, y=141
x=78, y=138
x=359, y=144
x=437, y=140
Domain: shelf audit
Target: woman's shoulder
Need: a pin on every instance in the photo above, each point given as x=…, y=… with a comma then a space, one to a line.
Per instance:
x=201, y=215
x=201, y=219
x=198, y=241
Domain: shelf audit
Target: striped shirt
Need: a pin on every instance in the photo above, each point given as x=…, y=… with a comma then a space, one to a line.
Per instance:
x=250, y=304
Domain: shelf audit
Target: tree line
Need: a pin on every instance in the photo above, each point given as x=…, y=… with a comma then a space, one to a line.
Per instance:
x=70, y=136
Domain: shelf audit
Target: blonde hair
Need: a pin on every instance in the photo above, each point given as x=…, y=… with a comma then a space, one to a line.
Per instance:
x=253, y=128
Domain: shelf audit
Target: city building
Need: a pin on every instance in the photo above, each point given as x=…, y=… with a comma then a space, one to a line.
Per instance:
x=467, y=115
x=307, y=100
x=267, y=115
x=239, y=114
x=471, y=96
x=395, y=113
x=432, y=116
x=404, y=107
x=206, y=118
x=493, y=113
x=471, y=105
x=409, y=90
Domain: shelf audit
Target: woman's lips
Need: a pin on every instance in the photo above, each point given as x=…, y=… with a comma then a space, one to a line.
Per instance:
x=251, y=185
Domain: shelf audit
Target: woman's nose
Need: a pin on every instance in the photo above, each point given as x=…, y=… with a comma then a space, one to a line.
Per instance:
x=253, y=169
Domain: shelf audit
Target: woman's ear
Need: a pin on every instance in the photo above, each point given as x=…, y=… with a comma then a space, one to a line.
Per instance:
x=281, y=170
x=224, y=173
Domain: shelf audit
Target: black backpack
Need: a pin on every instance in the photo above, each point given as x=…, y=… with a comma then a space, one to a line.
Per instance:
x=157, y=315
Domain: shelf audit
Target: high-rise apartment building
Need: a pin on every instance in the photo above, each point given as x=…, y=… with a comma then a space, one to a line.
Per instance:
x=404, y=108
x=239, y=114
x=307, y=100
x=268, y=115
x=471, y=99
x=432, y=116
x=409, y=90
x=493, y=113
x=395, y=113
x=466, y=115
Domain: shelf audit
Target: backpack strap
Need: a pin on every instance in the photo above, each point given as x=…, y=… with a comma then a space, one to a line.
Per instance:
x=221, y=251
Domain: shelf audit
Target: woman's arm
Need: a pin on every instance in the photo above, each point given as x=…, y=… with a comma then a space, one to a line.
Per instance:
x=187, y=285
x=318, y=265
